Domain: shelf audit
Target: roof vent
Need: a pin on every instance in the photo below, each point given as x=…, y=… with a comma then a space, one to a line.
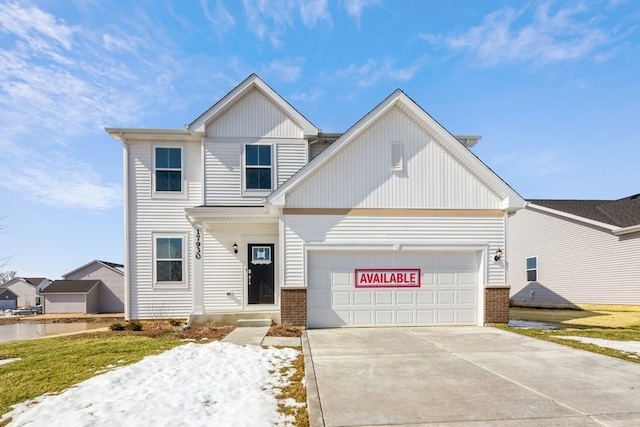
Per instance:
x=397, y=161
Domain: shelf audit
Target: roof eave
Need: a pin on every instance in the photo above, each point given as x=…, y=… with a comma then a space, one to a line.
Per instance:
x=627, y=230
x=610, y=227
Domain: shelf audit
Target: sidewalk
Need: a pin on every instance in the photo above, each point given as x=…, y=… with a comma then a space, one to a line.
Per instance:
x=256, y=335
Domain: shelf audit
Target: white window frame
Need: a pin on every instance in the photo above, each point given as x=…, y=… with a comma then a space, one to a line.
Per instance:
x=183, y=184
x=255, y=191
x=527, y=269
x=185, y=260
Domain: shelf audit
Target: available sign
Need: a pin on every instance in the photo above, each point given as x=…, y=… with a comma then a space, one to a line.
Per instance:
x=388, y=278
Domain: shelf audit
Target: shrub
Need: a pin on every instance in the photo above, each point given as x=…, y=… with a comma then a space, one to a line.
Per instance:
x=133, y=325
x=117, y=326
x=175, y=323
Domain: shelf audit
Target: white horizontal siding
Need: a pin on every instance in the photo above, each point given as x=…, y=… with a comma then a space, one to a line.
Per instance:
x=336, y=229
x=149, y=215
x=317, y=148
x=360, y=176
x=254, y=115
x=291, y=158
x=577, y=264
x=223, y=166
x=222, y=272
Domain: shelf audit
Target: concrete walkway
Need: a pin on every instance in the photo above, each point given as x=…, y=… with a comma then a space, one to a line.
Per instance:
x=256, y=335
x=465, y=376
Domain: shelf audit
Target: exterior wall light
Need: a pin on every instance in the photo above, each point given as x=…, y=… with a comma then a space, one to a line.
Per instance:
x=498, y=255
x=235, y=248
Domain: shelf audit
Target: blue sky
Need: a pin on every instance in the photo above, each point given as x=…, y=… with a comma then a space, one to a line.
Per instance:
x=553, y=88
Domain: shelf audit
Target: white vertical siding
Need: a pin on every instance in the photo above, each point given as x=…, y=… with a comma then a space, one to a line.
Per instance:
x=148, y=215
x=336, y=229
x=254, y=115
x=360, y=176
x=291, y=157
x=577, y=263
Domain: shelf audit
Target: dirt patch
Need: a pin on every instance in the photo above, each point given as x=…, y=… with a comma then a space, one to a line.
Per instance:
x=48, y=318
x=285, y=330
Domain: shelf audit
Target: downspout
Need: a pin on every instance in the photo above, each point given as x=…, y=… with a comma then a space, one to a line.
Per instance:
x=127, y=264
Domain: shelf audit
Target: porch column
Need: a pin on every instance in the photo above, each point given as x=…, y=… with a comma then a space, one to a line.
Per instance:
x=198, y=276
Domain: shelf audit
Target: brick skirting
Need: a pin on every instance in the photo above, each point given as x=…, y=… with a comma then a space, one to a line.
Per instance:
x=293, y=306
x=496, y=305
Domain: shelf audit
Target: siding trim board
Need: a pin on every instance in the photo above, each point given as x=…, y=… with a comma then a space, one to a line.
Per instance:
x=397, y=212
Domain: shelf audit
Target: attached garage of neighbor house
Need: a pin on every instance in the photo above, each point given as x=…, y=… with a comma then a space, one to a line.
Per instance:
x=71, y=296
x=381, y=288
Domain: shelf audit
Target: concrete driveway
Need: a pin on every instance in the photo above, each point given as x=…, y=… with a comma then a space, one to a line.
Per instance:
x=465, y=376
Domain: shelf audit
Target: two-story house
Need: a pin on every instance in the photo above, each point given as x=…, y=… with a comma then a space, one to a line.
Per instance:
x=252, y=211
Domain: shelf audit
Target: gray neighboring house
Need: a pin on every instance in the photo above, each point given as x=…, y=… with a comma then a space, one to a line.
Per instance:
x=26, y=289
x=8, y=300
x=111, y=288
x=72, y=296
x=562, y=253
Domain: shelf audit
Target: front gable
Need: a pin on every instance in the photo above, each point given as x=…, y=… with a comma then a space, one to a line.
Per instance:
x=397, y=156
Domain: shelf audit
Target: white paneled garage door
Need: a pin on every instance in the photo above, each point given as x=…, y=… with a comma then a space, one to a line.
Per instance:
x=447, y=295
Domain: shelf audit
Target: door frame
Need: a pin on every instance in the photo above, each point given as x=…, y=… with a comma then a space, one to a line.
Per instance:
x=272, y=239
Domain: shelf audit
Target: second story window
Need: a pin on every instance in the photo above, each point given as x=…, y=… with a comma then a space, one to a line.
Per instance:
x=168, y=169
x=258, y=167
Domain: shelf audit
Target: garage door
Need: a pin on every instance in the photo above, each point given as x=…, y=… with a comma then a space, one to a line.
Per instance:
x=442, y=291
x=7, y=304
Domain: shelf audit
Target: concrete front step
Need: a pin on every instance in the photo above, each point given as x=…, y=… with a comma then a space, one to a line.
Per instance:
x=241, y=323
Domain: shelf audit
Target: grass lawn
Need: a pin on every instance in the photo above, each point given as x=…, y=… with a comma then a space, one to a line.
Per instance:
x=54, y=364
x=611, y=323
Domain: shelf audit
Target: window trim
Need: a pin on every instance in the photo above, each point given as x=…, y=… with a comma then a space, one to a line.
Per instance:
x=184, y=283
x=257, y=191
x=183, y=184
x=527, y=269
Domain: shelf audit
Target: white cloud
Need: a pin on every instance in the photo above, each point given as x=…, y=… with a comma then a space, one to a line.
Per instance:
x=29, y=22
x=355, y=8
x=288, y=69
x=221, y=20
x=538, y=35
x=374, y=71
x=307, y=96
x=314, y=12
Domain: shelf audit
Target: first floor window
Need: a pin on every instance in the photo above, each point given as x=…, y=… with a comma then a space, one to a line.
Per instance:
x=532, y=269
x=257, y=159
x=169, y=259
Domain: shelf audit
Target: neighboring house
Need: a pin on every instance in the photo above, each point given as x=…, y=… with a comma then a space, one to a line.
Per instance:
x=111, y=289
x=27, y=289
x=566, y=252
x=72, y=296
x=8, y=300
x=252, y=211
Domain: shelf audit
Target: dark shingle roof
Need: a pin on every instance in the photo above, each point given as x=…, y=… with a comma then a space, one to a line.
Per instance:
x=35, y=281
x=623, y=212
x=112, y=264
x=70, y=286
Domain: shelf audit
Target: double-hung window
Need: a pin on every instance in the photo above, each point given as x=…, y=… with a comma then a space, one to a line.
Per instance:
x=169, y=259
x=257, y=162
x=168, y=169
x=532, y=269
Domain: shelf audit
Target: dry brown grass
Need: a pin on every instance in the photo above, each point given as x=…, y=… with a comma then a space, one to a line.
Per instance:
x=164, y=329
x=297, y=391
x=285, y=330
x=596, y=316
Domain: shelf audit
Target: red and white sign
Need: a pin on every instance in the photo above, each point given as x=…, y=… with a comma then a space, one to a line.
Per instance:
x=388, y=278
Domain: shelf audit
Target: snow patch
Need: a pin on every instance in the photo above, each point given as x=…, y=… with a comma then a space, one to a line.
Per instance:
x=217, y=383
x=10, y=360
x=629, y=347
x=525, y=324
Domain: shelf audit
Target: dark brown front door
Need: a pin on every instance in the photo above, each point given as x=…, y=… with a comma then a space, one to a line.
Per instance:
x=261, y=270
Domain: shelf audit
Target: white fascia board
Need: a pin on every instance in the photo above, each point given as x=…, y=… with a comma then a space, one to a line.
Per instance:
x=253, y=81
x=627, y=230
x=132, y=134
x=205, y=214
x=604, y=225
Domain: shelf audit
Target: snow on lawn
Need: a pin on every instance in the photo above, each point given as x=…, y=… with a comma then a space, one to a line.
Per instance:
x=219, y=384
x=630, y=347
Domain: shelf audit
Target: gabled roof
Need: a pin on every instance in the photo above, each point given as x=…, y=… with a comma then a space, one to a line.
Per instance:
x=621, y=213
x=35, y=281
x=511, y=199
x=251, y=82
x=7, y=291
x=118, y=268
x=70, y=287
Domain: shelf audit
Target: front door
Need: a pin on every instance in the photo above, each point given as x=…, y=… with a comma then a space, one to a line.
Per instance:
x=261, y=270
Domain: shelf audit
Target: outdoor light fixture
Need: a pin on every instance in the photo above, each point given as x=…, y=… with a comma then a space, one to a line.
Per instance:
x=235, y=248
x=498, y=255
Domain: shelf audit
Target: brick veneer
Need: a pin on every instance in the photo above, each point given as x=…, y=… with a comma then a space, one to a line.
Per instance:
x=293, y=306
x=496, y=305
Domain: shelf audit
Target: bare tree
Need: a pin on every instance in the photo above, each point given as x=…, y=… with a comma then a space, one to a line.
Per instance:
x=7, y=275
